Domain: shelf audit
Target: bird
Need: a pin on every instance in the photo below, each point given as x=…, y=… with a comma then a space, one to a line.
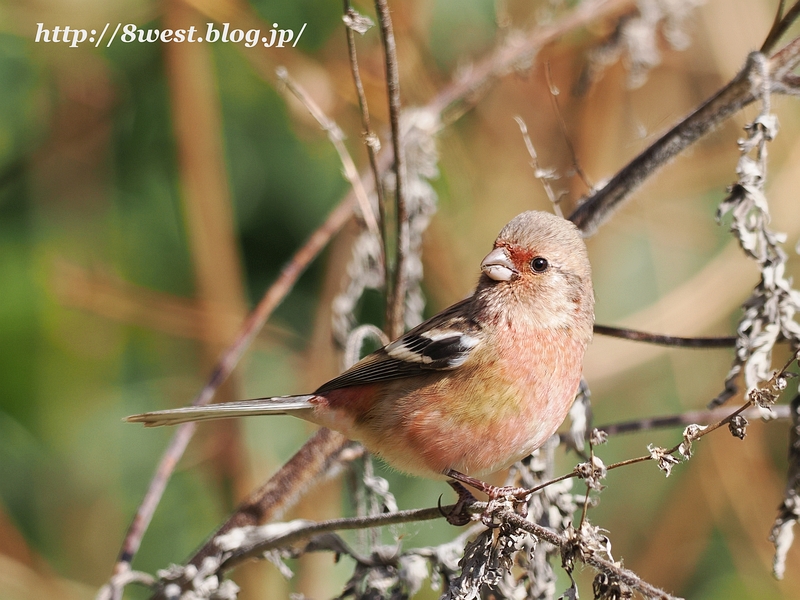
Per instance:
x=473, y=389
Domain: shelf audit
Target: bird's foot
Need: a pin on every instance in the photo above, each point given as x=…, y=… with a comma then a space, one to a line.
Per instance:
x=460, y=514
x=499, y=497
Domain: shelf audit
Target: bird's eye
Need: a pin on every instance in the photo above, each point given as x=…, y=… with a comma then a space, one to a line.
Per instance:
x=539, y=264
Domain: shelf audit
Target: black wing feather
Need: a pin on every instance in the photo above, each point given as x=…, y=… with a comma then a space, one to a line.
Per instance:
x=443, y=342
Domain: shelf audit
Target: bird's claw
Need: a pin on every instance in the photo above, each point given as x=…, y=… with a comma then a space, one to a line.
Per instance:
x=499, y=497
x=460, y=515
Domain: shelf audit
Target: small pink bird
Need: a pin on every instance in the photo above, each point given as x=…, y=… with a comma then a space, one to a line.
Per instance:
x=473, y=389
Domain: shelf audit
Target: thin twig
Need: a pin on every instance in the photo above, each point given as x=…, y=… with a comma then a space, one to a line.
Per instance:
x=780, y=25
x=541, y=174
x=750, y=403
x=671, y=451
x=550, y=482
x=255, y=321
x=371, y=140
x=701, y=417
x=336, y=136
x=517, y=49
x=562, y=125
x=175, y=449
x=665, y=340
x=343, y=524
x=396, y=302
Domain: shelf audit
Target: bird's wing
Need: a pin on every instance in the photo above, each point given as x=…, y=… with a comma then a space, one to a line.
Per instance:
x=441, y=343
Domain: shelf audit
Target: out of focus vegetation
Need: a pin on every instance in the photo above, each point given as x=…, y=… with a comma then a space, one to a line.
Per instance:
x=118, y=287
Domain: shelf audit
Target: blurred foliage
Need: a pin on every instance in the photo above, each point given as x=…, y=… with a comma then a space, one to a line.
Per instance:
x=99, y=315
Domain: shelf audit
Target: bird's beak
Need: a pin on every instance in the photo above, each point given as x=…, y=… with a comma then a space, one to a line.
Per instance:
x=498, y=266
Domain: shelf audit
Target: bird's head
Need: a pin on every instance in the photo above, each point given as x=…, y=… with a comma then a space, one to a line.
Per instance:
x=540, y=261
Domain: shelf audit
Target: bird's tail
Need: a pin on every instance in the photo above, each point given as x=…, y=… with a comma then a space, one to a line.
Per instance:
x=224, y=410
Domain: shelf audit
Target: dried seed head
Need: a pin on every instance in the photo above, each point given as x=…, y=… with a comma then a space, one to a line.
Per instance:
x=738, y=426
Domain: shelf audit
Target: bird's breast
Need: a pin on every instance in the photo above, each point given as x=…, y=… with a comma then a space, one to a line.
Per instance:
x=503, y=403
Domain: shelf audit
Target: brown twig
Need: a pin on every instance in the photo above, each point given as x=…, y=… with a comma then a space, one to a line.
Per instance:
x=699, y=433
x=701, y=417
x=336, y=136
x=562, y=125
x=665, y=340
x=671, y=451
x=307, y=530
x=780, y=25
x=396, y=302
x=371, y=140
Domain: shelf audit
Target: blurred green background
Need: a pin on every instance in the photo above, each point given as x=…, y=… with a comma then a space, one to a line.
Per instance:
x=150, y=193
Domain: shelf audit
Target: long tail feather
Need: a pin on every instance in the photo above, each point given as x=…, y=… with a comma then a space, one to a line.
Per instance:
x=225, y=410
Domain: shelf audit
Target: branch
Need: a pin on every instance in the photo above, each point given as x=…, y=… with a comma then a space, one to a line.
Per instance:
x=701, y=417
x=318, y=459
x=781, y=24
x=665, y=340
x=396, y=302
x=263, y=539
x=336, y=136
x=562, y=125
x=741, y=91
x=543, y=175
x=356, y=22
x=245, y=544
x=614, y=570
